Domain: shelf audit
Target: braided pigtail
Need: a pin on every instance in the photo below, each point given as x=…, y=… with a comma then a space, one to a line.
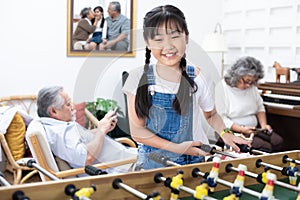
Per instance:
x=143, y=101
x=187, y=86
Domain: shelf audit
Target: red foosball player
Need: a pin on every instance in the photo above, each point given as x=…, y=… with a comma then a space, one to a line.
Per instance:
x=201, y=190
x=214, y=174
x=267, y=193
x=176, y=182
x=238, y=183
x=291, y=171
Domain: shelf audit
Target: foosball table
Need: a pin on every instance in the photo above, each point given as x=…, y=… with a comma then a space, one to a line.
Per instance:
x=227, y=175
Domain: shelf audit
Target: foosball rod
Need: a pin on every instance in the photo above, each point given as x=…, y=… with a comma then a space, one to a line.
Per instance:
x=213, y=150
x=3, y=180
x=259, y=163
x=117, y=183
x=230, y=168
x=286, y=159
x=196, y=172
x=246, y=149
x=159, y=158
x=160, y=178
x=32, y=163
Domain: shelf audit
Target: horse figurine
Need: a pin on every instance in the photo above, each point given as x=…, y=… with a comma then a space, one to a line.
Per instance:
x=282, y=71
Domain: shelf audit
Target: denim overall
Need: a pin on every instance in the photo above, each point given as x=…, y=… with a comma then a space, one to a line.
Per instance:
x=167, y=124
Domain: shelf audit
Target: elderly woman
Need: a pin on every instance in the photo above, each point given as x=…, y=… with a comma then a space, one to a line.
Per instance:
x=242, y=108
x=84, y=29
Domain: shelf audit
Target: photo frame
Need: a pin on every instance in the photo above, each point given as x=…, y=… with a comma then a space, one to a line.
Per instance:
x=128, y=8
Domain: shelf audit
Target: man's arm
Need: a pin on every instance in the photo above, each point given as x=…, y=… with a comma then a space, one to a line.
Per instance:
x=94, y=147
x=111, y=43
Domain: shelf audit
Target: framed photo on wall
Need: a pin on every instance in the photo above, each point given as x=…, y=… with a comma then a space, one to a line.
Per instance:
x=81, y=41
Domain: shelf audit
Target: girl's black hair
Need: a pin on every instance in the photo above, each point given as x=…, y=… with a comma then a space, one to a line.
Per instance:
x=170, y=15
x=103, y=19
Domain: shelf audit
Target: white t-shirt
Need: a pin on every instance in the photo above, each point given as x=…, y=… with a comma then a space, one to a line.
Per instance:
x=238, y=106
x=67, y=141
x=203, y=99
x=103, y=29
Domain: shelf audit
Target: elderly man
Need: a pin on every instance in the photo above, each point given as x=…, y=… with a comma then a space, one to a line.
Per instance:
x=71, y=142
x=118, y=29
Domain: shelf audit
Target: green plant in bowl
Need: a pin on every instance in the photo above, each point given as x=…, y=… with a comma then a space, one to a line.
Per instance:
x=101, y=106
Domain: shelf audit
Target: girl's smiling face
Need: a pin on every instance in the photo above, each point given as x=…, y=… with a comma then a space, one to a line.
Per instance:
x=168, y=44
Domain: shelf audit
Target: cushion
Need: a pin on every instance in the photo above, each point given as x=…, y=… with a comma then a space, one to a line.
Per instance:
x=80, y=113
x=15, y=136
x=62, y=165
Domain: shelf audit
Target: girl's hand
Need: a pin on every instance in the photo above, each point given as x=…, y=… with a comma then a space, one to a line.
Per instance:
x=191, y=148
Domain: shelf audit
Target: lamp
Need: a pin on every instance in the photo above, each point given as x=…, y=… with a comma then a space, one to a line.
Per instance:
x=215, y=42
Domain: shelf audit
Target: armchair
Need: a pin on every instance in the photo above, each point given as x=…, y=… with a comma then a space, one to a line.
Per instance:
x=27, y=104
x=41, y=152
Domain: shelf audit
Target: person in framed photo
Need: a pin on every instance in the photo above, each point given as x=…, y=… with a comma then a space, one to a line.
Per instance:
x=118, y=29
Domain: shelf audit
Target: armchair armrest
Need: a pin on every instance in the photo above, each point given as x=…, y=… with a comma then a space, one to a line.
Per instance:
x=95, y=122
x=73, y=172
x=91, y=117
x=126, y=141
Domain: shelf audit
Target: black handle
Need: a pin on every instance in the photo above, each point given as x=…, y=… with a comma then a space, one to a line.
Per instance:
x=93, y=171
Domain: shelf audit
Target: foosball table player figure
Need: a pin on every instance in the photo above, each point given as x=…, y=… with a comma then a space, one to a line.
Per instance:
x=264, y=174
x=79, y=193
x=267, y=193
x=292, y=169
x=201, y=190
x=238, y=183
x=232, y=196
x=176, y=182
x=154, y=196
x=214, y=174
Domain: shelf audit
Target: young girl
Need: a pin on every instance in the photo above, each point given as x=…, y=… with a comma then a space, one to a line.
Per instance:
x=164, y=99
x=99, y=34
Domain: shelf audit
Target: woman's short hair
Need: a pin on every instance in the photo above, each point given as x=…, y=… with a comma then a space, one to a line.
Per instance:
x=49, y=97
x=242, y=67
x=85, y=11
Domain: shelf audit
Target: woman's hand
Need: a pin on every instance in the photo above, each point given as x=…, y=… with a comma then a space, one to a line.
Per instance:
x=268, y=127
x=247, y=130
x=232, y=140
x=108, y=122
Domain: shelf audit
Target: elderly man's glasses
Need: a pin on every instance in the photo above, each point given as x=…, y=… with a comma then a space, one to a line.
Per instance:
x=248, y=82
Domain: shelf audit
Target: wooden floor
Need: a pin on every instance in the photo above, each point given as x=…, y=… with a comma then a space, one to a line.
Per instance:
x=9, y=177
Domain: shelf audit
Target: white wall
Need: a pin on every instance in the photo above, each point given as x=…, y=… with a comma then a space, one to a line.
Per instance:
x=266, y=29
x=33, y=49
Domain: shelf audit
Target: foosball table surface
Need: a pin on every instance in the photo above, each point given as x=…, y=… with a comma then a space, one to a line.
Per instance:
x=143, y=181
